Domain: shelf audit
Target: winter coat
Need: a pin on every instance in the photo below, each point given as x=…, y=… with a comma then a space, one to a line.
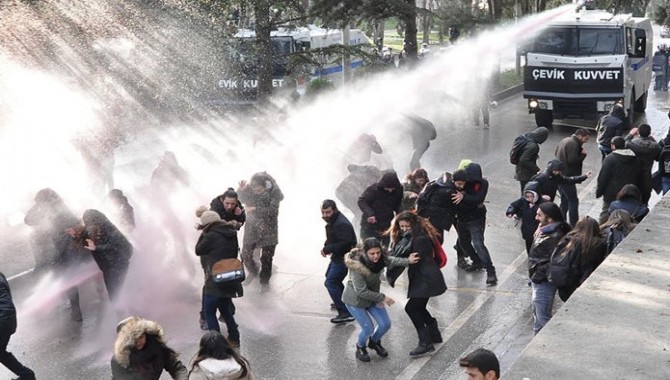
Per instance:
x=619, y=168
x=216, y=205
x=584, y=266
x=112, y=249
x=545, y=241
x=262, y=224
x=7, y=309
x=340, y=237
x=383, y=205
x=49, y=218
x=548, y=182
x=526, y=212
x=352, y=186
x=215, y=369
x=128, y=363
x=425, y=278
x=635, y=208
x=218, y=241
x=527, y=166
x=569, y=151
x=610, y=126
x=472, y=205
x=664, y=160
x=435, y=204
x=646, y=150
x=362, y=289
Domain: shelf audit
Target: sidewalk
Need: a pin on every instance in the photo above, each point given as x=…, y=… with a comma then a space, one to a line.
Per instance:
x=617, y=325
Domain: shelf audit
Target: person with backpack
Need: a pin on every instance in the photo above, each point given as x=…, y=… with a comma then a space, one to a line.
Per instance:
x=552, y=228
x=362, y=295
x=616, y=228
x=580, y=252
x=411, y=233
x=524, y=154
x=525, y=209
x=630, y=199
x=610, y=126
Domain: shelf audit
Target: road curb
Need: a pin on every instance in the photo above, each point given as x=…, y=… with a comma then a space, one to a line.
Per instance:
x=506, y=93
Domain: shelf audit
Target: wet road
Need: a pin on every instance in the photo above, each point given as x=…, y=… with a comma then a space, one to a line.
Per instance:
x=286, y=333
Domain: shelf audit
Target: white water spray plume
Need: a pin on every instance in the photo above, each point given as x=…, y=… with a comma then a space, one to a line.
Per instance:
x=92, y=87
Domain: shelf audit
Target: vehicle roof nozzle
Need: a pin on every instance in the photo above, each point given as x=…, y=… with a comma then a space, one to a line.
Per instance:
x=588, y=5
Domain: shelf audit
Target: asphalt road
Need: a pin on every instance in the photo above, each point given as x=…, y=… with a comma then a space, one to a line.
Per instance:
x=286, y=333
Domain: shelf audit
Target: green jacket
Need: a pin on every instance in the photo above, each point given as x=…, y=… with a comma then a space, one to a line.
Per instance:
x=362, y=289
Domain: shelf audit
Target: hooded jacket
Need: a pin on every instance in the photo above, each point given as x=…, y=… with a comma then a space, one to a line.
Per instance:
x=543, y=246
x=7, y=309
x=569, y=151
x=527, y=166
x=526, y=211
x=362, y=288
x=472, y=205
x=377, y=202
x=664, y=158
x=619, y=168
x=548, y=182
x=216, y=369
x=128, y=363
x=218, y=241
x=646, y=150
x=340, y=237
x=611, y=125
x=434, y=203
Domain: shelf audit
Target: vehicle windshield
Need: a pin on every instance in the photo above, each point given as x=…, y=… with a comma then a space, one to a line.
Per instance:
x=579, y=41
x=244, y=53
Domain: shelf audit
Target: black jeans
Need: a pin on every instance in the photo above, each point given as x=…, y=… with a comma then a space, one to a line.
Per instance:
x=417, y=312
x=569, y=202
x=9, y=361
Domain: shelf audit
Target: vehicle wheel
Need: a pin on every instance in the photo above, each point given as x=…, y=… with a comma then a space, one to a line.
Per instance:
x=641, y=104
x=544, y=118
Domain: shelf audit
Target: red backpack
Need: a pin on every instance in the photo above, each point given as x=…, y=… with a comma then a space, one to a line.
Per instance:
x=439, y=254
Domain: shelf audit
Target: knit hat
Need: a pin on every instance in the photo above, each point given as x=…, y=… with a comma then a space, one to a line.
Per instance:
x=208, y=217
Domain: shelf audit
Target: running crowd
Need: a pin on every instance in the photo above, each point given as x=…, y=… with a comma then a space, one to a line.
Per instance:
x=401, y=227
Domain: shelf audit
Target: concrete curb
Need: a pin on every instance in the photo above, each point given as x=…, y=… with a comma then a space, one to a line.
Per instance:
x=507, y=92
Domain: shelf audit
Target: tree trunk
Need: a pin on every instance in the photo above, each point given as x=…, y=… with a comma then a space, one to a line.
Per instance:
x=264, y=46
x=410, y=33
x=425, y=23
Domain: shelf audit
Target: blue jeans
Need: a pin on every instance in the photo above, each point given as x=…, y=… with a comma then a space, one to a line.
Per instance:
x=335, y=274
x=666, y=184
x=368, y=329
x=225, y=307
x=569, y=202
x=543, y=302
x=604, y=151
x=472, y=232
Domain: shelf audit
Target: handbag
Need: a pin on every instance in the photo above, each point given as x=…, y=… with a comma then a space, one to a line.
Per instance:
x=228, y=270
x=439, y=254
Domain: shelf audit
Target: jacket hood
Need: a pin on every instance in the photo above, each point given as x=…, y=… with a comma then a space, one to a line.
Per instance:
x=389, y=179
x=533, y=193
x=217, y=369
x=618, y=112
x=539, y=135
x=464, y=163
x=624, y=152
x=224, y=228
x=353, y=261
x=129, y=331
x=474, y=171
x=555, y=165
x=444, y=180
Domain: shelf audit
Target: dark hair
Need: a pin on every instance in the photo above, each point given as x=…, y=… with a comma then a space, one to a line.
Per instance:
x=460, y=175
x=214, y=345
x=582, y=132
x=644, y=130
x=230, y=193
x=419, y=173
x=551, y=210
x=618, y=142
x=629, y=191
x=621, y=220
x=329, y=203
x=586, y=233
x=370, y=243
x=482, y=359
x=418, y=225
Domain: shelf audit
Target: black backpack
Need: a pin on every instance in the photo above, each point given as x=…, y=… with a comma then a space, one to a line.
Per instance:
x=517, y=148
x=563, y=266
x=613, y=238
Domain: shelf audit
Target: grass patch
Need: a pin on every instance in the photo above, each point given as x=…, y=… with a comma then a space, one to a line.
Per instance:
x=509, y=78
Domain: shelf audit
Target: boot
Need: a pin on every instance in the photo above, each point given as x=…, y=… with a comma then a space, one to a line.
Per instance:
x=435, y=335
x=425, y=344
x=491, y=278
x=377, y=346
x=462, y=263
x=362, y=354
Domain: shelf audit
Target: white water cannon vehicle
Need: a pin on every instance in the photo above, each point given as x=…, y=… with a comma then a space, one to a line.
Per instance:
x=583, y=63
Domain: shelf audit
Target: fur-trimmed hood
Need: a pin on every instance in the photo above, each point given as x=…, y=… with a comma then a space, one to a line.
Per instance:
x=128, y=331
x=353, y=261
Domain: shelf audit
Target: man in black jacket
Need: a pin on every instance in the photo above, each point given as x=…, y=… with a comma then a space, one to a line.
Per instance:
x=7, y=328
x=609, y=126
x=340, y=239
x=229, y=208
x=646, y=149
x=471, y=190
x=379, y=204
x=571, y=152
x=619, y=168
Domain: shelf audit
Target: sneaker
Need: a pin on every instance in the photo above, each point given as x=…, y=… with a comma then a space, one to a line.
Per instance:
x=491, y=279
x=333, y=307
x=203, y=325
x=362, y=354
x=342, y=318
x=462, y=263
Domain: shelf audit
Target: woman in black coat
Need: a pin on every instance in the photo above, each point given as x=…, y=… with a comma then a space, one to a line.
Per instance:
x=411, y=233
x=218, y=241
x=110, y=249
